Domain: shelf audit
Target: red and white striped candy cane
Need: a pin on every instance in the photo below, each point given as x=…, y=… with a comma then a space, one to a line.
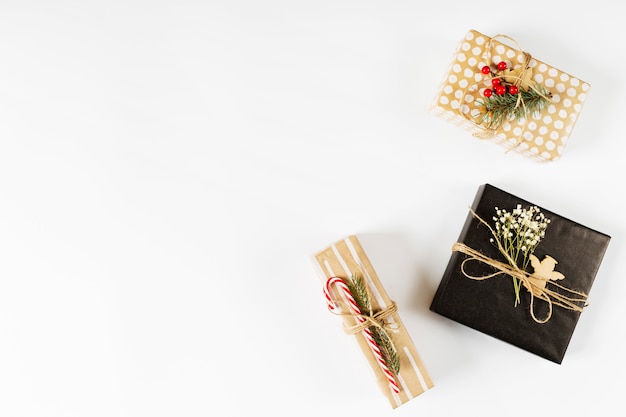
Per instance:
x=339, y=282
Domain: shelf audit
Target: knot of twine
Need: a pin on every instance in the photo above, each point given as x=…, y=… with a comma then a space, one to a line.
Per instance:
x=519, y=81
x=551, y=297
x=372, y=319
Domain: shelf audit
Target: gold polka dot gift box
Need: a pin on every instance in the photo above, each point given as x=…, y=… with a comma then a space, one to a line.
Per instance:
x=501, y=93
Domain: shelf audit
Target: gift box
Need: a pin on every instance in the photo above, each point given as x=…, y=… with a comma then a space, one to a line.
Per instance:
x=535, y=118
x=520, y=273
x=354, y=292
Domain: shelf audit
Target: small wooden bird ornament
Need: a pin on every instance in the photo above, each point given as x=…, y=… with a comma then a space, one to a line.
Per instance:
x=544, y=272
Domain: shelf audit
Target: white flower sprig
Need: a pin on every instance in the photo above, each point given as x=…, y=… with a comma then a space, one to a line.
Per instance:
x=519, y=232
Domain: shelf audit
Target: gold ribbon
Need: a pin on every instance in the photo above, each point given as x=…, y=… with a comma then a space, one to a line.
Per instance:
x=552, y=297
x=488, y=132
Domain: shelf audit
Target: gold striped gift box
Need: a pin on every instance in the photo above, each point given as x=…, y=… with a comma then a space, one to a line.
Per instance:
x=344, y=259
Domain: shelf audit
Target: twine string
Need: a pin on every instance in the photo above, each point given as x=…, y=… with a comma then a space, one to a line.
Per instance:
x=550, y=296
x=372, y=320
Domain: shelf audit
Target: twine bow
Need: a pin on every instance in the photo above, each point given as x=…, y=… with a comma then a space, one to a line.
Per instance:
x=551, y=297
x=372, y=319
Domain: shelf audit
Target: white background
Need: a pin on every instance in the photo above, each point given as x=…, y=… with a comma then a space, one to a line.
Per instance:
x=167, y=169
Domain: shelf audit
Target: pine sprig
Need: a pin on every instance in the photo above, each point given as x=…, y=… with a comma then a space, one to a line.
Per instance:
x=359, y=292
x=361, y=296
x=498, y=109
x=389, y=351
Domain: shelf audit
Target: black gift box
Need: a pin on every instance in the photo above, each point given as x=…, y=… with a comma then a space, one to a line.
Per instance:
x=489, y=305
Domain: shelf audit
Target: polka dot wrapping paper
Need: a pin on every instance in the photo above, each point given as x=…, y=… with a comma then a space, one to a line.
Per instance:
x=541, y=135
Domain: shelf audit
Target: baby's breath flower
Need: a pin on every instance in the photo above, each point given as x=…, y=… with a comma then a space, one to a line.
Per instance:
x=519, y=232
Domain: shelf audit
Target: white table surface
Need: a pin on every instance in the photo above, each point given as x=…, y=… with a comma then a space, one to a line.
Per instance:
x=167, y=169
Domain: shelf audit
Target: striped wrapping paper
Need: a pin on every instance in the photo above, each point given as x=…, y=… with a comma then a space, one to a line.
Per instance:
x=345, y=258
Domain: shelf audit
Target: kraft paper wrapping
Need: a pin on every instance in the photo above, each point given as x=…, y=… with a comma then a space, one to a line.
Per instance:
x=542, y=136
x=344, y=258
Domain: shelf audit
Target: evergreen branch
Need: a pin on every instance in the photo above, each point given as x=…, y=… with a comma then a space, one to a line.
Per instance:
x=360, y=295
x=389, y=351
x=359, y=292
x=498, y=109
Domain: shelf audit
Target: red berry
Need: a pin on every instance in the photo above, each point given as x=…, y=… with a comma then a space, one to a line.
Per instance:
x=487, y=92
x=500, y=90
x=501, y=66
x=486, y=69
x=513, y=89
x=495, y=81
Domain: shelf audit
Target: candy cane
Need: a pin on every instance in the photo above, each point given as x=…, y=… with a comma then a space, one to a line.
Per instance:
x=366, y=331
